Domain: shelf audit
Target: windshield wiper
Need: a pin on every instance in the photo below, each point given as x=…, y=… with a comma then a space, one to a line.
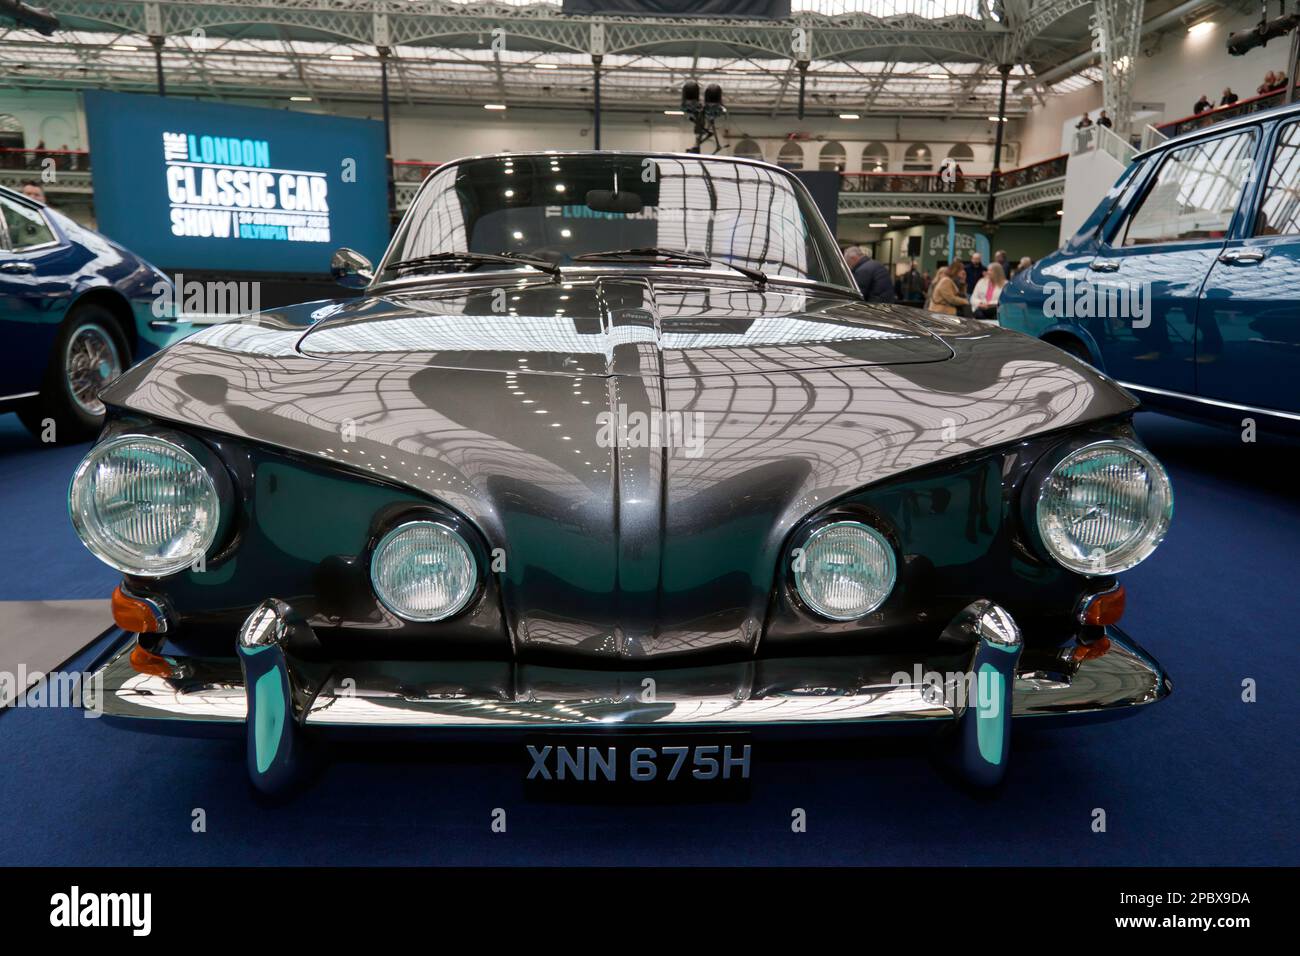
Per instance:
x=477, y=258
x=658, y=253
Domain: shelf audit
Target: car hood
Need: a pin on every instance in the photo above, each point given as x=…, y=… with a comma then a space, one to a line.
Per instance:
x=642, y=498
x=621, y=326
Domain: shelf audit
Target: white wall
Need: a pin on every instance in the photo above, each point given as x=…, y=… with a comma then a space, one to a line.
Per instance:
x=51, y=116
x=1173, y=71
x=1042, y=133
x=1185, y=66
x=439, y=133
x=1088, y=178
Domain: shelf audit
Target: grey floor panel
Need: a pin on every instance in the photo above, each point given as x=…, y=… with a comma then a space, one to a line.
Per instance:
x=36, y=636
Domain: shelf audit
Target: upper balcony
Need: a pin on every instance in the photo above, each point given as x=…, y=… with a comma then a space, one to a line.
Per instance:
x=68, y=172
x=65, y=171
x=1154, y=135
x=862, y=193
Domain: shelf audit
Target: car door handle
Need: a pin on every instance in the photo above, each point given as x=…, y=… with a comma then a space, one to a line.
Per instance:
x=1237, y=257
x=17, y=267
x=1104, y=266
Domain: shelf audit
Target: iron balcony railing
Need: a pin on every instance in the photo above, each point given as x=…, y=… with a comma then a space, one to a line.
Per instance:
x=73, y=160
x=939, y=183
x=1255, y=104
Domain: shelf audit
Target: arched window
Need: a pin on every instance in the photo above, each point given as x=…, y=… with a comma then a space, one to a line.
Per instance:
x=790, y=157
x=875, y=158
x=962, y=153
x=748, y=149
x=832, y=157
x=918, y=159
x=11, y=132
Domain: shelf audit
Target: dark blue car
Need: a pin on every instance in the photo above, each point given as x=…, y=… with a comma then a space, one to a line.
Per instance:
x=1184, y=283
x=76, y=309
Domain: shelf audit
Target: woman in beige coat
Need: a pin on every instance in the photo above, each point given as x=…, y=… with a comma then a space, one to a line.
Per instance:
x=946, y=297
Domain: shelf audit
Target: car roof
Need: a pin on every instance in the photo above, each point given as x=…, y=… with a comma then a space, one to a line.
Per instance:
x=1237, y=122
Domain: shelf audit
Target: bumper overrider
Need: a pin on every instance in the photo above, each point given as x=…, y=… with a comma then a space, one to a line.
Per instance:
x=978, y=676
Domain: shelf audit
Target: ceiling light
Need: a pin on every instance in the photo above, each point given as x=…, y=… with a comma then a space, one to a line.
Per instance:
x=877, y=225
x=546, y=66
x=1200, y=29
x=997, y=119
x=494, y=106
x=125, y=47
x=673, y=113
x=342, y=56
x=300, y=99
x=900, y=218
x=850, y=116
x=937, y=76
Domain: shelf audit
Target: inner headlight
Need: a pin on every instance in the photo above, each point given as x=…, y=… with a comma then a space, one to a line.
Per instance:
x=423, y=571
x=144, y=505
x=846, y=570
x=1104, y=507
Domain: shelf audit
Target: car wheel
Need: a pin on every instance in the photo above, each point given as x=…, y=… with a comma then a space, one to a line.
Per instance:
x=89, y=352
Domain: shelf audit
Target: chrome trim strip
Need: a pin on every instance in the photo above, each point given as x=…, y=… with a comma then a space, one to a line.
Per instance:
x=1218, y=403
x=211, y=691
x=16, y=395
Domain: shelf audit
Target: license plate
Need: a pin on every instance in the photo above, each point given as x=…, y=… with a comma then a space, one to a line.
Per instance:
x=636, y=761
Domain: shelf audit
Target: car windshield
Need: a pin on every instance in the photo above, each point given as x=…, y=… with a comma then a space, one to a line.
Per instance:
x=573, y=209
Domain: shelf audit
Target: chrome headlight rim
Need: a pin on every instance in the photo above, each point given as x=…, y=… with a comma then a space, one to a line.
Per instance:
x=213, y=477
x=820, y=529
x=458, y=534
x=1039, y=487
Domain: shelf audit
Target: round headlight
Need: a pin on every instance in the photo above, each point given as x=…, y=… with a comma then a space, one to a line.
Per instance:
x=423, y=571
x=847, y=569
x=144, y=505
x=1104, y=507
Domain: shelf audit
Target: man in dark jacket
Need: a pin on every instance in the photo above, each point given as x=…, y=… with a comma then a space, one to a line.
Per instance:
x=975, y=269
x=872, y=277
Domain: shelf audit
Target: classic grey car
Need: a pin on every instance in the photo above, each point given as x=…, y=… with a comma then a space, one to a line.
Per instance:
x=611, y=455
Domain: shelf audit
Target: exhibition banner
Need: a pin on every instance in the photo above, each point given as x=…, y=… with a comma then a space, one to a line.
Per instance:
x=198, y=185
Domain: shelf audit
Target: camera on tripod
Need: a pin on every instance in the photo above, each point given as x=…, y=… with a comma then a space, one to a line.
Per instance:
x=704, y=116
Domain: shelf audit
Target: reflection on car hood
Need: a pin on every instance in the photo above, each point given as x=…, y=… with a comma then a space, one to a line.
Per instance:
x=621, y=326
x=667, y=464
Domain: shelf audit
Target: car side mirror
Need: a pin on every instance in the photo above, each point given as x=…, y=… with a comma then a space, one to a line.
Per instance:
x=351, y=269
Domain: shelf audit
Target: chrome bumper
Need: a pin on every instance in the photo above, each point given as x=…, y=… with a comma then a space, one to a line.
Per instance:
x=289, y=696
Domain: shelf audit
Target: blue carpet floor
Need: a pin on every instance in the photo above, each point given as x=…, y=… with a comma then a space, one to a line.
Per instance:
x=1202, y=778
x=41, y=558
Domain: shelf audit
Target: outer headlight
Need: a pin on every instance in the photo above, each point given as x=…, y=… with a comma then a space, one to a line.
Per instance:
x=423, y=571
x=847, y=570
x=1104, y=507
x=144, y=505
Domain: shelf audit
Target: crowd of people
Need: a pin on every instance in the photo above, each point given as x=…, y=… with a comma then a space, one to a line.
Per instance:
x=1273, y=82
x=970, y=288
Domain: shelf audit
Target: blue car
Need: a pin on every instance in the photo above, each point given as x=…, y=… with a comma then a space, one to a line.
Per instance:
x=76, y=309
x=1184, y=283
